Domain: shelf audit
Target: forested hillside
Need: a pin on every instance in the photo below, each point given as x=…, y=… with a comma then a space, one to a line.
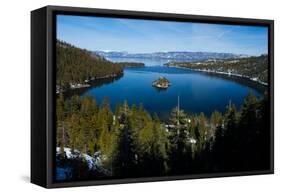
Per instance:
x=254, y=68
x=134, y=143
x=77, y=66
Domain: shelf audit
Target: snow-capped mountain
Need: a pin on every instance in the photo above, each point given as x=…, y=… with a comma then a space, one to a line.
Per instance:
x=188, y=56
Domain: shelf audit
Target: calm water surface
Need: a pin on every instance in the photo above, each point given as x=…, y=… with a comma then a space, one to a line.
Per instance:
x=198, y=92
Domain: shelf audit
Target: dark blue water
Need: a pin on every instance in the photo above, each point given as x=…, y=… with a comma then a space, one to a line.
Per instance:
x=198, y=92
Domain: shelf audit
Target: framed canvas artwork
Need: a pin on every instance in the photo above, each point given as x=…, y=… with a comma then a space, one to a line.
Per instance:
x=125, y=96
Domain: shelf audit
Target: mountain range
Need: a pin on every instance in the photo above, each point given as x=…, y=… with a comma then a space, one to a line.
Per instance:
x=172, y=55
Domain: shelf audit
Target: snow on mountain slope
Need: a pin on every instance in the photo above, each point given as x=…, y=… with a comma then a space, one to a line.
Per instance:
x=176, y=55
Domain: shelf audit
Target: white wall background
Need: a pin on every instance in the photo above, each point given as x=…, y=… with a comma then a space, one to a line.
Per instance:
x=15, y=95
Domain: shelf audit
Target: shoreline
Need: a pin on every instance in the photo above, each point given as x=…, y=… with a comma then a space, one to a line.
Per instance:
x=224, y=74
x=87, y=83
x=257, y=84
x=90, y=81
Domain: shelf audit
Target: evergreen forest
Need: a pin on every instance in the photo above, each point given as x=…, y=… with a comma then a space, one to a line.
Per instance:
x=134, y=143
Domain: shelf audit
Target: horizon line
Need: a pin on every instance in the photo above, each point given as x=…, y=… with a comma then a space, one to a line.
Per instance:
x=171, y=51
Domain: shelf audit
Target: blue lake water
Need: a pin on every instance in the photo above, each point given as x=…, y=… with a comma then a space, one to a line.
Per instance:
x=198, y=92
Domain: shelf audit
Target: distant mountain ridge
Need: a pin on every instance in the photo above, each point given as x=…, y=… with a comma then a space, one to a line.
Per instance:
x=184, y=55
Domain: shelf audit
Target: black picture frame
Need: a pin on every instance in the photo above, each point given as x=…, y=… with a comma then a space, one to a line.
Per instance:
x=43, y=94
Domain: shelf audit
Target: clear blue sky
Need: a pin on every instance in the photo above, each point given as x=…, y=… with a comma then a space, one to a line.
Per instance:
x=142, y=36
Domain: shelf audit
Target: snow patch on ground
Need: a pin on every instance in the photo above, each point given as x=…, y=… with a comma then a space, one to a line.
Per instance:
x=93, y=162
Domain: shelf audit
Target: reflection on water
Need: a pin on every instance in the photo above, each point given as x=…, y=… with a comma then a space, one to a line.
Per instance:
x=199, y=92
x=94, y=84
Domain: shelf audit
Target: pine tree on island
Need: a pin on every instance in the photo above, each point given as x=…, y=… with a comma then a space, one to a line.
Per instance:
x=161, y=82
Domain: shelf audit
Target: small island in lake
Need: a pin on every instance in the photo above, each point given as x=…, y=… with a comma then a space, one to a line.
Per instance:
x=162, y=83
